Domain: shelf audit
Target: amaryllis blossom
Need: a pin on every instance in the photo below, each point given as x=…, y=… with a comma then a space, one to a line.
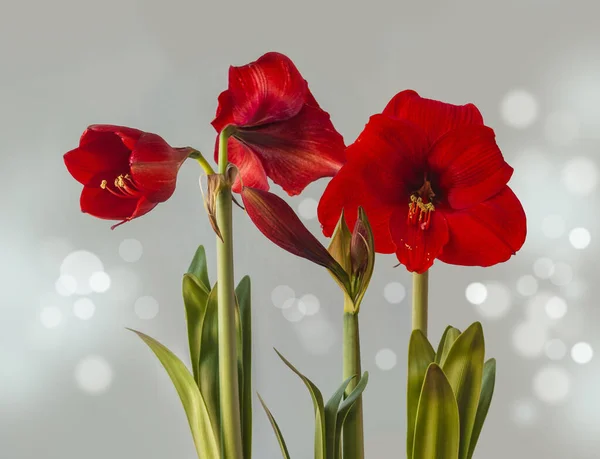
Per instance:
x=125, y=172
x=280, y=130
x=433, y=182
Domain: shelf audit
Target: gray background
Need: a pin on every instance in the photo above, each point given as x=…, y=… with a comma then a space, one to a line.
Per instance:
x=531, y=66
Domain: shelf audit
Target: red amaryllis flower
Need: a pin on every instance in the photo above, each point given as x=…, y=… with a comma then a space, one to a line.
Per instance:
x=280, y=130
x=434, y=184
x=125, y=172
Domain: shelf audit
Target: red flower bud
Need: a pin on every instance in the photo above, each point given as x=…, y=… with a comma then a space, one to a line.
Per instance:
x=278, y=222
x=125, y=172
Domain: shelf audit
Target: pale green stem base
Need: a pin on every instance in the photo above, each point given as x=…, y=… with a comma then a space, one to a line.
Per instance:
x=420, y=300
x=353, y=441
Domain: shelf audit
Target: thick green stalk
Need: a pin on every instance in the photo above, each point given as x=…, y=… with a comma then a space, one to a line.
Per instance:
x=353, y=441
x=228, y=362
x=420, y=299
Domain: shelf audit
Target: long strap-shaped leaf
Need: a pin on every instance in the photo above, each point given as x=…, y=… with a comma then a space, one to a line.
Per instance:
x=487, y=391
x=208, y=367
x=195, y=299
x=464, y=369
x=243, y=296
x=206, y=437
x=420, y=355
x=450, y=335
x=317, y=398
x=345, y=408
x=437, y=427
x=331, y=416
x=278, y=434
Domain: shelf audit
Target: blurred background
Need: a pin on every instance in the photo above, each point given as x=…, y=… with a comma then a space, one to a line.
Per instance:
x=75, y=384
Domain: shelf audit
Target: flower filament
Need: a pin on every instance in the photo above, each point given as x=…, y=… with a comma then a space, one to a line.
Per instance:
x=124, y=187
x=421, y=207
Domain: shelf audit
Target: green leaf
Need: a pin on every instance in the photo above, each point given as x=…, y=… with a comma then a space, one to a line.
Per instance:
x=208, y=380
x=345, y=408
x=332, y=437
x=206, y=437
x=243, y=296
x=437, y=428
x=450, y=335
x=278, y=434
x=485, y=399
x=464, y=369
x=420, y=355
x=195, y=299
x=317, y=398
x=199, y=269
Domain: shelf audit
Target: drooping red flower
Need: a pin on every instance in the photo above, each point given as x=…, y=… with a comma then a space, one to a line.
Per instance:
x=433, y=183
x=280, y=130
x=125, y=172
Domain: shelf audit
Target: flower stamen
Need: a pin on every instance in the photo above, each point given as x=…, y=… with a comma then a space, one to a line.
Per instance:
x=124, y=187
x=421, y=206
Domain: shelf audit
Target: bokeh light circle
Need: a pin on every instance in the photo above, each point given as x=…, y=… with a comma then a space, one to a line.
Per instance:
x=146, y=307
x=51, y=316
x=555, y=349
x=84, y=308
x=385, y=359
x=476, y=293
x=93, y=375
x=281, y=294
x=551, y=384
x=580, y=238
x=131, y=250
x=394, y=292
x=582, y=353
x=580, y=176
x=519, y=109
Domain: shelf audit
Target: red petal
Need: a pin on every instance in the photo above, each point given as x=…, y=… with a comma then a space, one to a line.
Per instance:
x=393, y=155
x=224, y=114
x=416, y=248
x=129, y=136
x=102, y=156
x=434, y=117
x=102, y=204
x=296, y=152
x=469, y=166
x=486, y=234
x=268, y=90
x=251, y=171
x=348, y=190
x=278, y=222
x=154, y=166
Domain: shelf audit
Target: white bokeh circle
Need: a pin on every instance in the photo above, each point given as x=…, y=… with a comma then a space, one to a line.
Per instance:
x=146, y=307
x=93, y=375
x=519, y=109
x=385, y=359
x=394, y=292
x=551, y=384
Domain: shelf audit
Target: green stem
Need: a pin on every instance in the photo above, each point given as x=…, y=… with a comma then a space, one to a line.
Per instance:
x=195, y=154
x=353, y=441
x=420, y=300
x=228, y=362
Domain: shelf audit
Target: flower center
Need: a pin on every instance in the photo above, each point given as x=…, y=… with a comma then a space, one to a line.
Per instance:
x=123, y=187
x=421, y=206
